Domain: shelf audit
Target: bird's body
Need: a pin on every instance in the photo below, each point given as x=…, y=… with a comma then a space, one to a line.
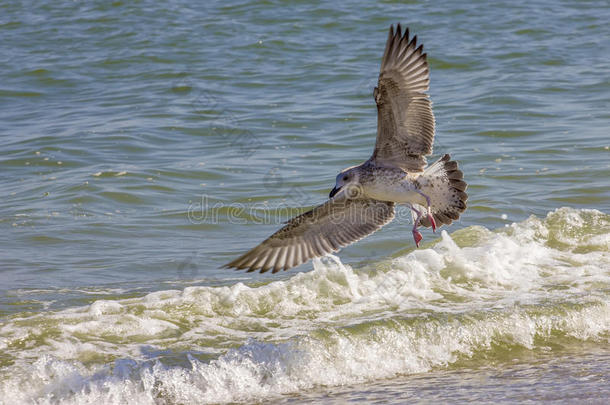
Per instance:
x=364, y=197
x=384, y=184
x=389, y=184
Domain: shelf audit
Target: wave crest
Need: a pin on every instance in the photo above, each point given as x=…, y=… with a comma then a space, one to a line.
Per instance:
x=539, y=284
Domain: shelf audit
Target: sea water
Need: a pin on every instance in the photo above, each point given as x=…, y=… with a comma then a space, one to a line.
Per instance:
x=145, y=144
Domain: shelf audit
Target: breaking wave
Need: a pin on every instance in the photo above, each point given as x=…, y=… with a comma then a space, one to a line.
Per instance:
x=473, y=297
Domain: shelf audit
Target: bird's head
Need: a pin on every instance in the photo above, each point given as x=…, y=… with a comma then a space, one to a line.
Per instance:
x=349, y=182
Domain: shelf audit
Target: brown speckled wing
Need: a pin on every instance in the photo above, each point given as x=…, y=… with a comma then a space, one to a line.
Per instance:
x=405, y=121
x=323, y=230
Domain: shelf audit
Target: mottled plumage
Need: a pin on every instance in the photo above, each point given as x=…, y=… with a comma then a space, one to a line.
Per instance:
x=364, y=196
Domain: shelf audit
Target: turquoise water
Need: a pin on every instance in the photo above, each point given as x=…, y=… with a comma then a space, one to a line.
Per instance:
x=143, y=145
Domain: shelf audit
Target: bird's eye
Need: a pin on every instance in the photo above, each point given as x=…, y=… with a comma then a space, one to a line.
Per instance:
x=344, y=178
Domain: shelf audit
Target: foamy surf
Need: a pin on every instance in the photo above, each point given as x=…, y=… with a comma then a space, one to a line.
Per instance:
x=537, y=285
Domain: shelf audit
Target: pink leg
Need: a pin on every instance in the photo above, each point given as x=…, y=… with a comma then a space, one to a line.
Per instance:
x=416, y=234
x=430, y=217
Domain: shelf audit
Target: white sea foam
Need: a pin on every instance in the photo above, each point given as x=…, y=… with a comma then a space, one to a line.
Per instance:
x=338, y=356
x=536, y=283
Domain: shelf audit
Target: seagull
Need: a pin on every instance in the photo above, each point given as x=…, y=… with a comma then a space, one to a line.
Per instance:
x=364, y=197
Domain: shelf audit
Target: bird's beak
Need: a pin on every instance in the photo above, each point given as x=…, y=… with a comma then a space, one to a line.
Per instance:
x=334, y=191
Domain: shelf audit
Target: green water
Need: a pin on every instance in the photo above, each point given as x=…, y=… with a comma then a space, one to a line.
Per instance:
x=145, y=144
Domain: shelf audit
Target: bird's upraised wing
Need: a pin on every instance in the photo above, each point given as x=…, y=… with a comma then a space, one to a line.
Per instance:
x=336, y=223
x=405, y=121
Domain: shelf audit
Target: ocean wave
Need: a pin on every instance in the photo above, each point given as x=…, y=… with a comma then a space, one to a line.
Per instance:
x=534, y=285
x=328, y=357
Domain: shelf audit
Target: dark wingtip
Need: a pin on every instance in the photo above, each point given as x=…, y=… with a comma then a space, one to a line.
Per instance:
x=230, y=266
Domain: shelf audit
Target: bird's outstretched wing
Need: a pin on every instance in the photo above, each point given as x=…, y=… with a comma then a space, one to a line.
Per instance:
x=336, y=223
x=405, y=121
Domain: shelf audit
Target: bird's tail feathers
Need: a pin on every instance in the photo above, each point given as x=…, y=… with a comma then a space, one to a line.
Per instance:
x=443, y=182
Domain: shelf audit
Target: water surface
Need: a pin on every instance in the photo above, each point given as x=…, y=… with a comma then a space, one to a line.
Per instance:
x=143, y=145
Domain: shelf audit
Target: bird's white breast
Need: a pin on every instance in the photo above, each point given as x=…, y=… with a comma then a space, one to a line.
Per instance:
x=402, y=191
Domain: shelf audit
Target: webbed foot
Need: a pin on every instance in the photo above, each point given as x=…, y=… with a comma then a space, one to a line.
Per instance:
x=417, y=237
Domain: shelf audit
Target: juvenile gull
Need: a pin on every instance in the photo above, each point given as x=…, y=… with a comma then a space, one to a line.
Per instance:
x=364, y=196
